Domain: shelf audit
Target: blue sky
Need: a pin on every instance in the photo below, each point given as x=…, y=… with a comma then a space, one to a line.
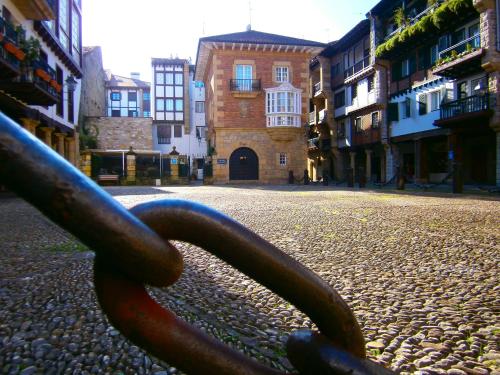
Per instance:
x=130, y=35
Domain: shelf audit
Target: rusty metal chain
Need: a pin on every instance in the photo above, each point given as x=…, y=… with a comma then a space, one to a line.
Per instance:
x=133, y=249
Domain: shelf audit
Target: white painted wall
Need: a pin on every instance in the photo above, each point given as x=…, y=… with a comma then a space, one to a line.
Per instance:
x=416, y=123
x=52, y=60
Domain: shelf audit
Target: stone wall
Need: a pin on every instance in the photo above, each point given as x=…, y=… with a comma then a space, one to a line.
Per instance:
x=120, y=133
x=93, y=98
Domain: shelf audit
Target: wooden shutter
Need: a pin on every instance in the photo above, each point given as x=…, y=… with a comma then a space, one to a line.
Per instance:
x=393, y=112
x=396, y=71
x=413, y=63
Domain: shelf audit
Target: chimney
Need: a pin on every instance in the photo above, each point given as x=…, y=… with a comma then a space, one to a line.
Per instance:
x=135, y=75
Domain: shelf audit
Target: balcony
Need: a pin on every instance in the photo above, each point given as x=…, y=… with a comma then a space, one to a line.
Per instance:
x=312, y=118
x=245, y=88
x=357, y=69
x=37, y=9
x=36, y=85
x=461, y=59
x=316, y=89
x=313, y=143
x=366, y=136
x=466, y=110
x=10, y=54
x=322, y=116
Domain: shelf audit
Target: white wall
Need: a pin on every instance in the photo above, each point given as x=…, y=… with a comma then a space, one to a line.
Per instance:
x=416, y=123
x=52, y=60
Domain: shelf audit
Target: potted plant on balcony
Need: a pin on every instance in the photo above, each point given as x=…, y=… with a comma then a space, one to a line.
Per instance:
x=31, y=49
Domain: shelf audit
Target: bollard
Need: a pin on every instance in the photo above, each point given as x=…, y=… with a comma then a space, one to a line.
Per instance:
x=362, y=178
x=325, y=180
x=350, y=177
x=458, y=181
x=306, y=177
x=290, y=177
x=400, y=179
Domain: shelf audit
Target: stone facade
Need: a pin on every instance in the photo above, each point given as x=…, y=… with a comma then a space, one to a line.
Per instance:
x=121, y=133
x=238, y=118
x=93, y=100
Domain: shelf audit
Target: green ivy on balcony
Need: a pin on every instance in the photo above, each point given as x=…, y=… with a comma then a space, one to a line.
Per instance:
x=436, y=21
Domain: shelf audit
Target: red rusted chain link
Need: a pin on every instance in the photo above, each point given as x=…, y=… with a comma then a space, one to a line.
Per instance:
x=133, y=249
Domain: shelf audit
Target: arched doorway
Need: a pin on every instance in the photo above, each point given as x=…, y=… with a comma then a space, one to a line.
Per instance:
x=243, y=164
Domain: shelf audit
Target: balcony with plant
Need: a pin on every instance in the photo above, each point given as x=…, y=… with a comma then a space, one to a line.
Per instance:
x=461, y=59
x=11, y=53
x=439, y=17
x=36, y=83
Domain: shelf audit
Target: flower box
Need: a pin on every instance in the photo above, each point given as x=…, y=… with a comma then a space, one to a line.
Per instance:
x=43, y=74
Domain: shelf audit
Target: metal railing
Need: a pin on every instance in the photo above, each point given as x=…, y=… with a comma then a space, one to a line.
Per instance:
x=464, y=45
x=316, y=88
x=471, y=104
x=414, y=19
x=358, y=67
x=246, y=85
x=9, y=31
x=322, y=116
x=312, y=117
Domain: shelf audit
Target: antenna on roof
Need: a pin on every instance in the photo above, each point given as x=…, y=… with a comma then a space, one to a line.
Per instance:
x=249, y=27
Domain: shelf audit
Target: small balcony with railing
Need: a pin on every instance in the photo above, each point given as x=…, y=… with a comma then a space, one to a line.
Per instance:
x=461, y=59
x=312, y=118
x=36, y=85
x=358, y=69
x=366, y=136
x=11, y=54
x=466, y=111
x=245, y=87
x=37, y=9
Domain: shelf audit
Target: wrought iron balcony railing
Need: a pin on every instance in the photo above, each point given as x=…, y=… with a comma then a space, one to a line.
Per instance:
x=8, y=31
x=471, y=104
x=358, y=67
x=467, y=44
x=244, y=85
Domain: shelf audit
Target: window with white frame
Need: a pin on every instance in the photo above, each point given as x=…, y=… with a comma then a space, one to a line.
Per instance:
x=283, y=159
x=283, y=106
x=358, y=125
x=282, y=74
x=435, y=100
x=199, y=107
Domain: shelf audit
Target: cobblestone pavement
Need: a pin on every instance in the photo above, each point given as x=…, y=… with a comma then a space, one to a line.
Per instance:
x=420, y=273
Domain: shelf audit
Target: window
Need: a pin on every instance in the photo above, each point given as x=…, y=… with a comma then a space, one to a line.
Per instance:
x=335, y=70
x=478, y=85
x=358, y=125
x=179, y=105
x=71, y=107
x=435, y=100
x=393, y=112
x=115, y=113
x=160, y=104
x=405, y=68
x=169, y=78
x=116, y=96
x=132, y=113
x=354, y=91
x=132, y=96
x=178, y=79
x=164, y=134
x=371, y=81
x=75, y=34
x=434, y=54
x=282, y=74
x=146, y=96
x=422, y=104
x=63, y=23
x=169, y=105
x=407, y=108
x=59, y=105
x=283, y=159
x=462, y=90
x=146, y=114
x=341, y=129
x=177, y=131
x=160, y=78
x=201, y=132
x=199, y=107
x=375, y=120
x=243, y=71
x=339, y=99
x=282, y=102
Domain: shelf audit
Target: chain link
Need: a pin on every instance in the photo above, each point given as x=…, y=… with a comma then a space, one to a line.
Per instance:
x=132, y=249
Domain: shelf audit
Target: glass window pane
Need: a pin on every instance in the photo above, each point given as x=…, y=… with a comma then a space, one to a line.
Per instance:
x=160, y=91
x=169, y=116
x=160, y=105
x=179, y=105
x=179, y=116
x=160, y=78
x=179, y=91
x=169, y=91
x=170, y=104
x=169, y=78
x=178, y=79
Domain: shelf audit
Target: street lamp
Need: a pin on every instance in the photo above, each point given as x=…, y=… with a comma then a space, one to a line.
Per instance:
x=71, y=84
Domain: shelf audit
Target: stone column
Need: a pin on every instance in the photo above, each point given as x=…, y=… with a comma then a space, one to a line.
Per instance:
x=30, y=124
x=86, y=163
x=418, y=166
x=389, y=163
x=60, y=143
x=131, y=172
x=70, y=149
x=47, y=135
x=353, y=164
x=368, y=165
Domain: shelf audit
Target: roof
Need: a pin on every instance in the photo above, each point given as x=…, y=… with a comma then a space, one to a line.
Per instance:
x=257, y=37
x=356, y=33
x=385, y=6
x=113, y=80
x=254, y=39
x=162, y=61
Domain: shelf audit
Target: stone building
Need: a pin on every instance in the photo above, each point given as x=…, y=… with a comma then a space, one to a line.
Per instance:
x=93, y=101
x=40, y=69
x=257, y=103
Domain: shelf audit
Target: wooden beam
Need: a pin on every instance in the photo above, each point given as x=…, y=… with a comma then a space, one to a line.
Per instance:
x=272, y=48
x=286, y=49
x=303, y=49
x=215, y=45
x=294, y=49
x=279, y=48
x=223, y=45
x=264, y=48
x=234, y=44
x=241, y=47
x=249, y=46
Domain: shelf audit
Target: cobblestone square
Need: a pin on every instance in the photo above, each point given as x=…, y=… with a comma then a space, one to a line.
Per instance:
x=420, y=272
